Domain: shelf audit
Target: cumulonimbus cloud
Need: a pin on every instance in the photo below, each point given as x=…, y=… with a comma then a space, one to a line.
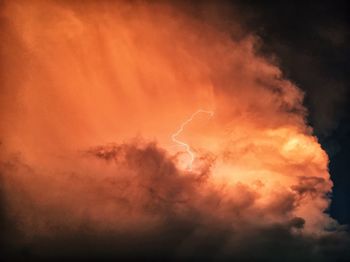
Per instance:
x=78, y=76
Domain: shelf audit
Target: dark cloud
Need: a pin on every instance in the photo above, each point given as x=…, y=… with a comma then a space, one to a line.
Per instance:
x=151, y=210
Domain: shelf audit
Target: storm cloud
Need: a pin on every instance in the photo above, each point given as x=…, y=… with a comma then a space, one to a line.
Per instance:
x=93, y=93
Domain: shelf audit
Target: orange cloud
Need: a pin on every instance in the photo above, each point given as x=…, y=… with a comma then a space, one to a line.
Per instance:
x=94, y=91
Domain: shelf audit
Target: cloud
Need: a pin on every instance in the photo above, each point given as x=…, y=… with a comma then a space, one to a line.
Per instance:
x=147, y=207
x=92, y=96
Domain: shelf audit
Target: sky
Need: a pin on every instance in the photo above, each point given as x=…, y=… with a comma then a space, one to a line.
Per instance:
x=174, y=130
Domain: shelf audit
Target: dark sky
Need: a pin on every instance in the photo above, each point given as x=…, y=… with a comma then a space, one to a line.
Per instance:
x=311, y=42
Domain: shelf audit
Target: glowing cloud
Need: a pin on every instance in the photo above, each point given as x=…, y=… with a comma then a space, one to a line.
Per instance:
x=91, y=92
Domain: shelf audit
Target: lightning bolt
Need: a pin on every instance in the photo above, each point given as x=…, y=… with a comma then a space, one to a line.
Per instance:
x=182, y=143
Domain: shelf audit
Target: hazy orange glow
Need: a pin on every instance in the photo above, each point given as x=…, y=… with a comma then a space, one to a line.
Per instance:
x=88, y=82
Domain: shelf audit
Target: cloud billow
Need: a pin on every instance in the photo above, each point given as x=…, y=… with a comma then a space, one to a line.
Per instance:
x=82, y=76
